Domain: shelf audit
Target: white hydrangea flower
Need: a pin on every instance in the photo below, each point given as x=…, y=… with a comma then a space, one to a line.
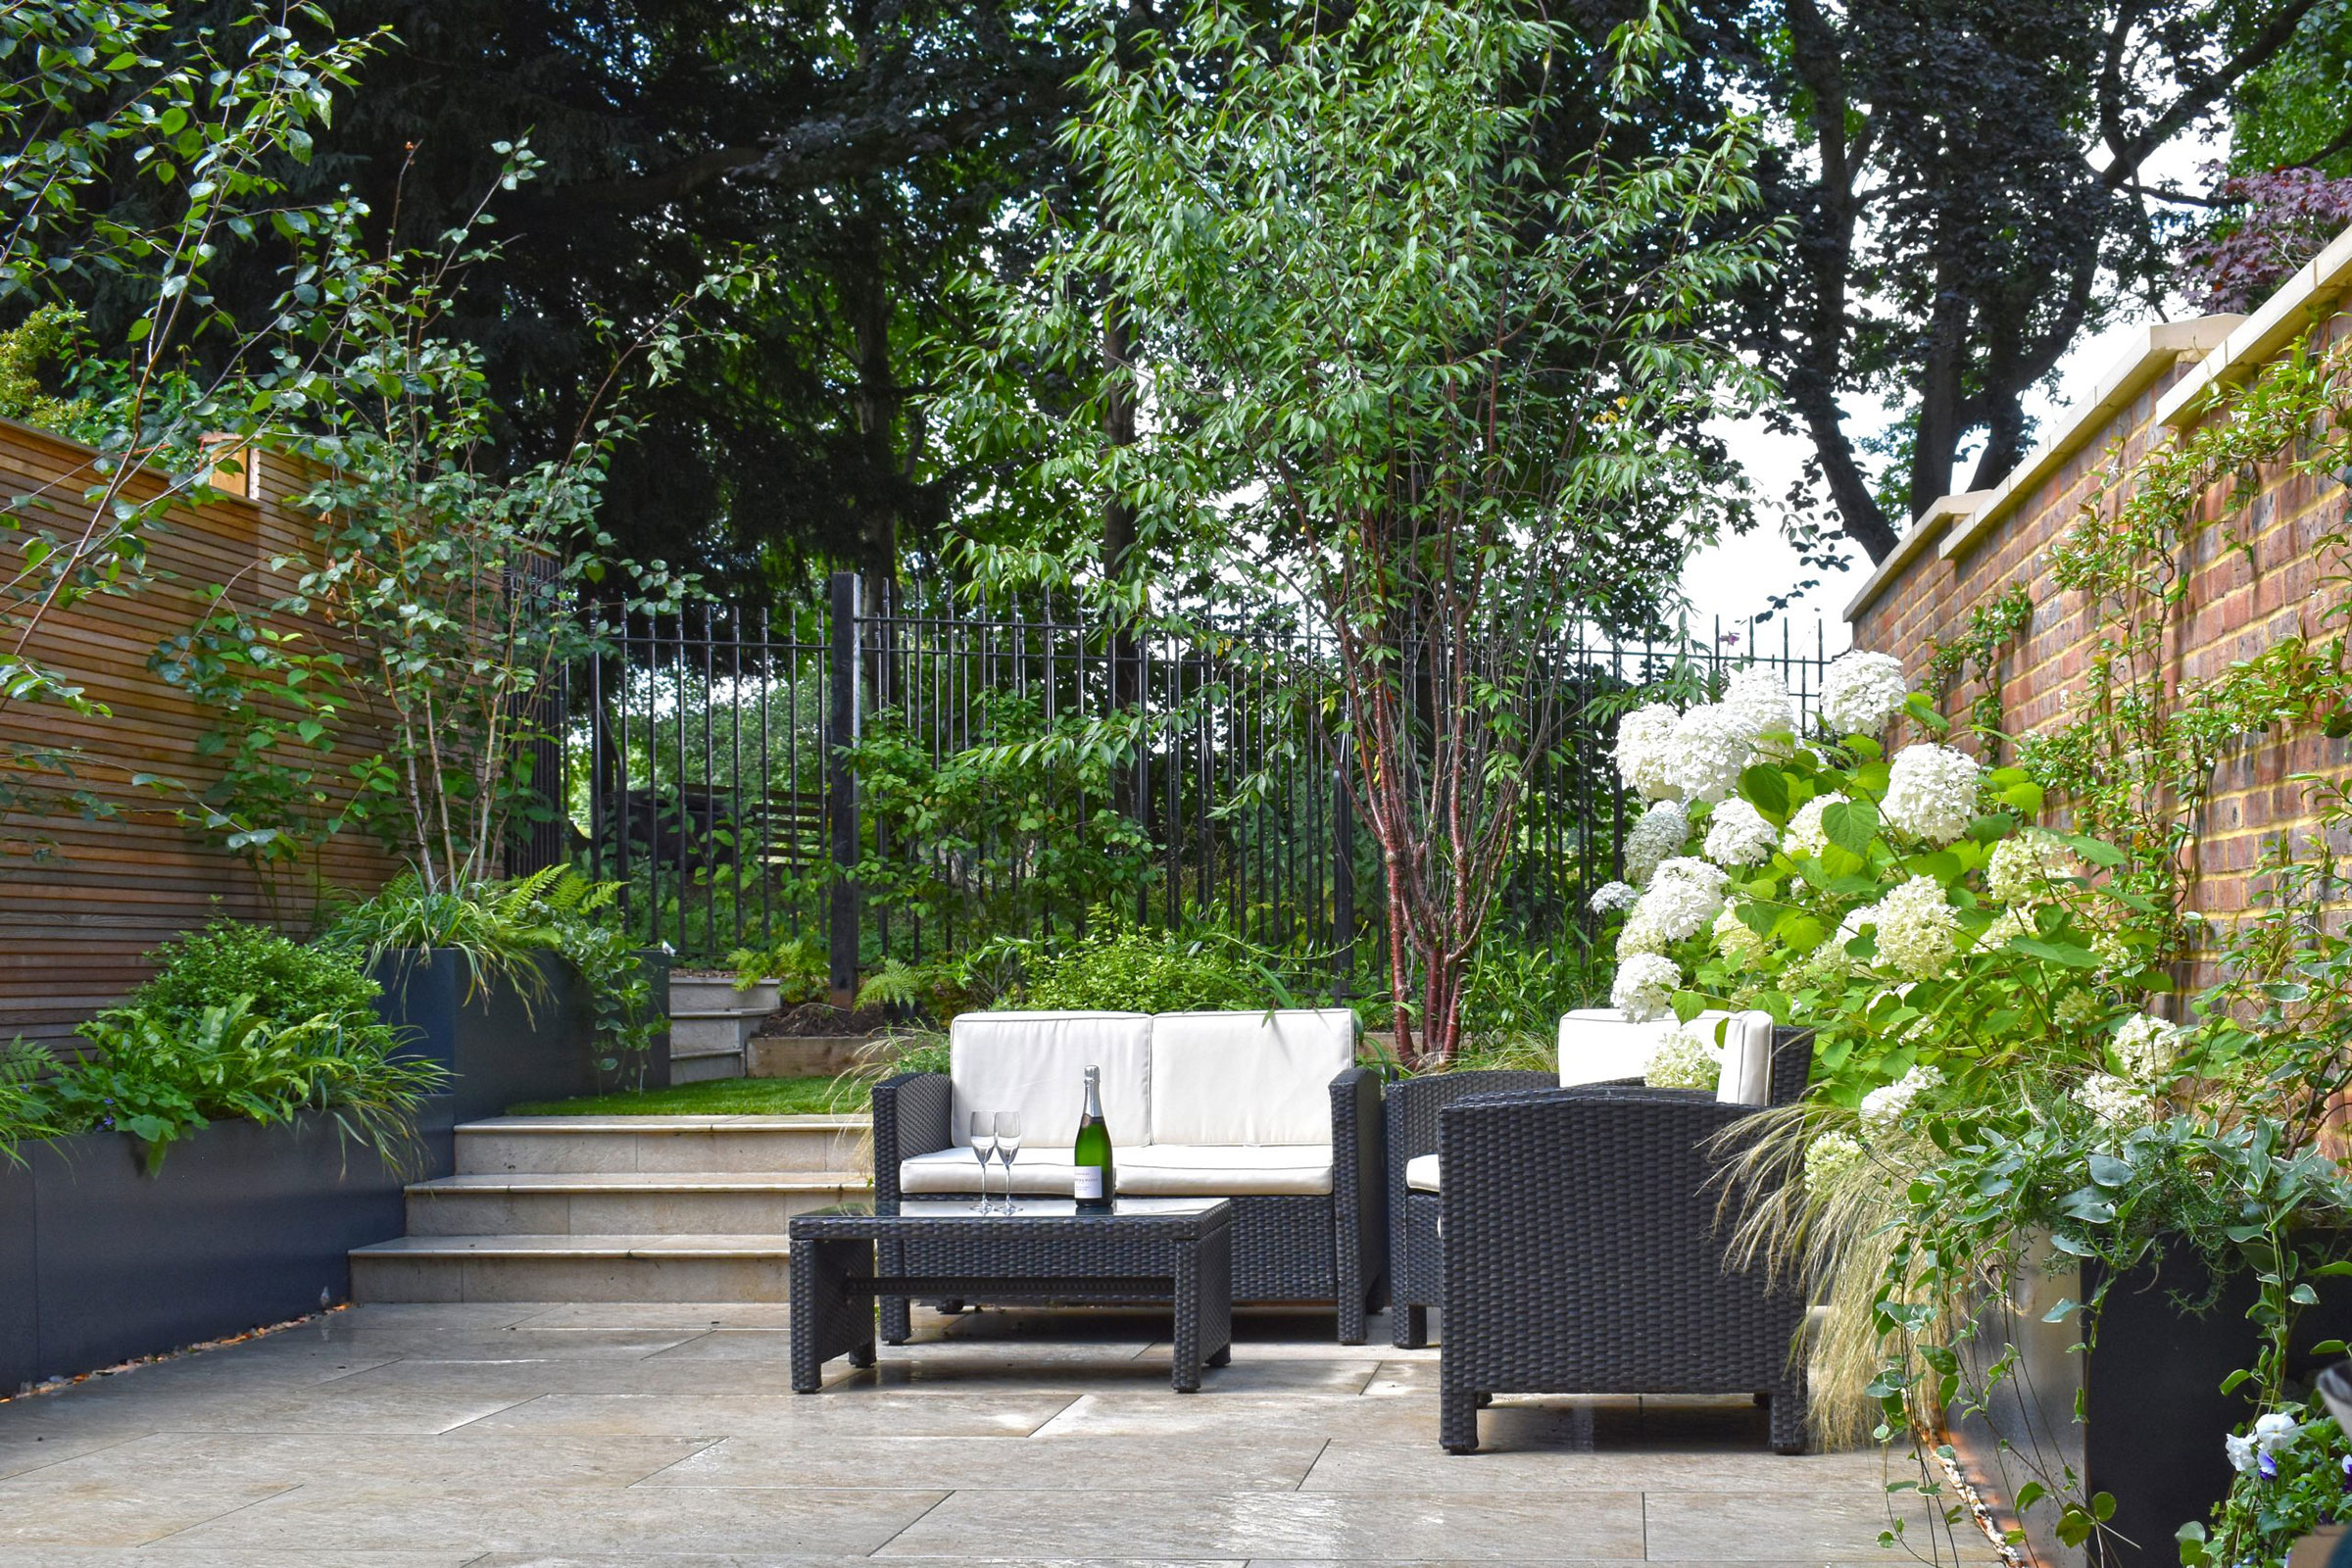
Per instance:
x=2148, y=1047
x=1677, y=907
x=2079, y=1009
x=1757, y=698
x=1805, y=835
x=1659, y=834
x=1828, y=1160
x=1642, y=933
x=1860, y=692
x=1686, y=1057
x=1711, y=747
x=1918, y=931
x=2022, y=866
x=1739, y=835
x=1613, y=897
x=1734, y=941
x=1645, y=743
x=2115, y=1102
x=1884, y=1107
x=1646, y=984
x=1931, y=792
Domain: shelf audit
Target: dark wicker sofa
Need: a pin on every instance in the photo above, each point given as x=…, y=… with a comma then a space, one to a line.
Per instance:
x=1416, y=1266
x=1287, y=1246
x=1582, y=1254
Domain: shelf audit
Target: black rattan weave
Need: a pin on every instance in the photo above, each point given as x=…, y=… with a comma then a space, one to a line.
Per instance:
x=1582, y=1254
x=1181, y=1253
x=1325, y=1248
x=1416, y=1268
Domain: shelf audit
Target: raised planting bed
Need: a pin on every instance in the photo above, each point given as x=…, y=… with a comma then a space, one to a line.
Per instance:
x=2154, y=1416
x=244, y=1225
x=718, y=1096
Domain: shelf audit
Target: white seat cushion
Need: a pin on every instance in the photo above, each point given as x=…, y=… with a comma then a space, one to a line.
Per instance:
x=1038, y=1172
x=1746, y=1041
x=1248, y=1078
x=1035, y=1063
x=1599, y=1044
x=1421, y=1173
x=1224, y=1170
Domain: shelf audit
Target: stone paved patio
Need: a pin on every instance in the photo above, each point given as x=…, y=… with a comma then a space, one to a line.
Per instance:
x=431, y=1437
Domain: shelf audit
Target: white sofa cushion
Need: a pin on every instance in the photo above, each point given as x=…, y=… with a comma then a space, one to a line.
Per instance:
x=1246, y=1078
x=1746, y=1041
x=1040, y=1172
x=1225, y=1170
x=1035, y=1063
x=1599, y=1044
x=1421, y=1173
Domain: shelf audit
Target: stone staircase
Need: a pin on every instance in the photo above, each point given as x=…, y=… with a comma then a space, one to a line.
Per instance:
x=616, y=1208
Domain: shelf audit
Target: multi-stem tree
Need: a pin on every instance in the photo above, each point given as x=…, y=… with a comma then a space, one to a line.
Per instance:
x=1397, y=367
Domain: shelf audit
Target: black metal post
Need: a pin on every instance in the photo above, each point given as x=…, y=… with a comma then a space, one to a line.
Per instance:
x=841, y=787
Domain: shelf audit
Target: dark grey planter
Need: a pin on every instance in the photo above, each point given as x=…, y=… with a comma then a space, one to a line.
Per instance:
x=244, y=1225
x=2154, y=1416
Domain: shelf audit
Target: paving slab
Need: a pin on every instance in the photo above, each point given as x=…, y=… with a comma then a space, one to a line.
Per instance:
x=663, y=1435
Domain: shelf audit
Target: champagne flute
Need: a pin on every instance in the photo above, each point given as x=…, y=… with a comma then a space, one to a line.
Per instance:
x=984, y=1144
x=1008, y=1146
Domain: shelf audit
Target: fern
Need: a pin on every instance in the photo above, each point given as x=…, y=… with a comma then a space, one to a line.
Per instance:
x=25, y=1108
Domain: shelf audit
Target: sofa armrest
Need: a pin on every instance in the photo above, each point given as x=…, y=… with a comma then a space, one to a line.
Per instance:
x=1359, y=1193
x=1792, y=1063
x=1414, y=1105
x=910, y=1117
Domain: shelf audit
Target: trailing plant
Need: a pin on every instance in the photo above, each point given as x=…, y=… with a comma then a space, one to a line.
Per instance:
x=1992, y=628
x=2134, y=757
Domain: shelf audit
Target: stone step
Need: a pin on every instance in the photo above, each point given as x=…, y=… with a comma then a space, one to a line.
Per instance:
x=700, y=1066
x=572, y=1268
x=625, y=1203
x=563, y=1146
x=710, y=1031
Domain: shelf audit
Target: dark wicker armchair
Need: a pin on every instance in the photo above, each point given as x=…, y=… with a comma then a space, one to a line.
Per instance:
x=1286, y=1247
x=1582, y=1254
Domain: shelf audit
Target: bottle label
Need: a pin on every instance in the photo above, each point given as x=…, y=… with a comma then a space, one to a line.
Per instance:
x=1086, y=1183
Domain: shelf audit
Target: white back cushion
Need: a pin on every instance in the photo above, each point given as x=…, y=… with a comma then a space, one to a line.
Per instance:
x=1035, y=1063
x=1247, y=1077
x=1747, y=1058
x=1599, y=1044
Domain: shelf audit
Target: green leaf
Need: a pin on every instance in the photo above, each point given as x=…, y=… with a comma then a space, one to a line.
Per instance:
x=2064, y=953
x=2109, y=1171
x=1850, y=825
x=2232, y=1383
x=2031, y=1492
x=1766, y=788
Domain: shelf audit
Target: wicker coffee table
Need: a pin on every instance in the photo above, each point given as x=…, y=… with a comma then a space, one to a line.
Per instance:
x=1173, y=1249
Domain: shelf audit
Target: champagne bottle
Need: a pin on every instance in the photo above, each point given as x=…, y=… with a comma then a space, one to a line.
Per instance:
x=1091, y=1181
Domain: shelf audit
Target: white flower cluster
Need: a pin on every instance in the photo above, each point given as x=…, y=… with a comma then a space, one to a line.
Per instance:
x=2272, y=1432
x=2005, y=925
x=2021, y=866
x=2114, y=1101
x=1659, y=834
x=1827, y=1158
x=1685, y=896
x=1885, y=1107
x=1861, y=692
x=1696, y=757
x=1758, y=699
x=1613, y=897
x=2148, y=1047
x=1805, y=835
x=1918, y=931
x=1739, y=835
x=1686, y=1057
x=1646, y=984
x=1644, y=745
x=1711, y=745
x=1931, y=792
x=1737, y=944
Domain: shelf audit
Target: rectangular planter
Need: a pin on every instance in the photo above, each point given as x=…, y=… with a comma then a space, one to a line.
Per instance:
x=2154, y=1416
x=244, y=1225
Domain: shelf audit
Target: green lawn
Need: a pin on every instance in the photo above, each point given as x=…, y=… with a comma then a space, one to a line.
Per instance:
x=722, y=1096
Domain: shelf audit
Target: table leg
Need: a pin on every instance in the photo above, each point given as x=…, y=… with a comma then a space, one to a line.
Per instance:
x=897, y=1317
x=827, y=1320
x=1203, y=1307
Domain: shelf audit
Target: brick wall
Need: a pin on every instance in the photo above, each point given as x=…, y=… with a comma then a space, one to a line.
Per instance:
x=1969, y=550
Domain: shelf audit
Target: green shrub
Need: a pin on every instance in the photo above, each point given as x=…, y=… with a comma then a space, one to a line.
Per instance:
x=1128, y=968
x=284, y=982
